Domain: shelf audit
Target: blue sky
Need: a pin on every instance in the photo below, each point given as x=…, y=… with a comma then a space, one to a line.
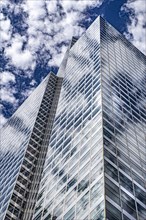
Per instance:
x=36, y=33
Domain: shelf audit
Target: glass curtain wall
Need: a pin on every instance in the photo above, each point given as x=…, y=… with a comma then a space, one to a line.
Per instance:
x=14, y=140
x=72, y=186
x=123, y=70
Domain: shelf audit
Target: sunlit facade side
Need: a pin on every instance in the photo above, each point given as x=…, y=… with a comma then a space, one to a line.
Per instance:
x=72, y=186
x=96, y=162
x=123, y=70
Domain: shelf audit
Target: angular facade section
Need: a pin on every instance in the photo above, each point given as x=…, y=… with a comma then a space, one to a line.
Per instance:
x=24, y=145
x=19, y=128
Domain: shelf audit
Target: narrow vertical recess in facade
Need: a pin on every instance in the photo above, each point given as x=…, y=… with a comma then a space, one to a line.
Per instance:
x=46, y=114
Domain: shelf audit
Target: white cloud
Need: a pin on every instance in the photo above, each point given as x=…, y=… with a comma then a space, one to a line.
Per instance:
x=79, y=5
x=5, y=29
x=7, y=95
x=137, y=25
x=4, y=3
x=36, y=9
x=51, y=7
x=6, y=77
x=53, y=22
x=22, y=59
x=7, y=92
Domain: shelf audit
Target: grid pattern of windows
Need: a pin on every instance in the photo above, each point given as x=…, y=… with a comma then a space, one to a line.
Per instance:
x=22, y=191
x=124, y=126
x=100, y=112
x=72, y=183
x=18, y=128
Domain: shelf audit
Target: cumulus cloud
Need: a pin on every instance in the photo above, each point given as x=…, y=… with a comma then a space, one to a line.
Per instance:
x=136, y=29
x=20, y=58
x=8, y=95
x=7, y=92
x=6, y=77
x=5, y=29
x=54, y=22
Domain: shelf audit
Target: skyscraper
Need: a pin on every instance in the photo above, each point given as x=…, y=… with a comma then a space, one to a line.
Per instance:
x=93, y=141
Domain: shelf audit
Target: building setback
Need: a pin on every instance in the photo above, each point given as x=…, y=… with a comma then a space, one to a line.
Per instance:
x=76, y=148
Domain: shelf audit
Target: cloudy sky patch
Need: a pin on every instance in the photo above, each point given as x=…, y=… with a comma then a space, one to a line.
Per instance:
x=136, y=28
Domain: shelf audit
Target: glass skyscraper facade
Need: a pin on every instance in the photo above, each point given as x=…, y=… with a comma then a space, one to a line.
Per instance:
x=94, y=145
x=123, y=80
x=24, y=143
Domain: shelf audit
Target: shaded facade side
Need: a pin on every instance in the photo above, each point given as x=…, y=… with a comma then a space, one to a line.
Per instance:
x=15, y=136
x=123, y=72
x=24, y=192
